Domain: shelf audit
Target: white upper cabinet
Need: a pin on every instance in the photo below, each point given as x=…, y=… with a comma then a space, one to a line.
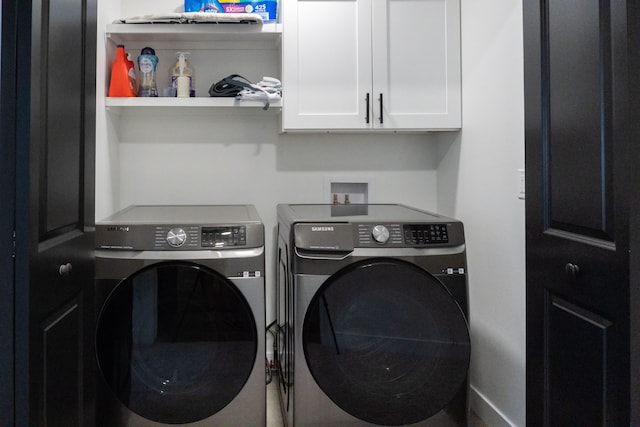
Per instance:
x=371, y=64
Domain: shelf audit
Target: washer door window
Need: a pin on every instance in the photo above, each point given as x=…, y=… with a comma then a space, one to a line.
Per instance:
x=386, y=342
x=176, y=342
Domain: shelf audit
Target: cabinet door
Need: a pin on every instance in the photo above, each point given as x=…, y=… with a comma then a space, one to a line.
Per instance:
x=326, y=69
x=54, y=199
x=579, y=159
x=416, y=64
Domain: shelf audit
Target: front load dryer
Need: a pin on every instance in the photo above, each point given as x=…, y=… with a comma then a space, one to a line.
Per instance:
x=179, y=338
x=372, y=315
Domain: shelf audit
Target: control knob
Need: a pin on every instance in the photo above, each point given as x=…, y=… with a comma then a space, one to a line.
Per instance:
x=380, y=233
x=176, y=237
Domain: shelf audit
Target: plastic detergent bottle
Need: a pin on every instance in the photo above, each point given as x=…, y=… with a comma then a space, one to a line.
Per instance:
x=120, y=84
x=132, y=73
x=182, y=77
x=147, y=64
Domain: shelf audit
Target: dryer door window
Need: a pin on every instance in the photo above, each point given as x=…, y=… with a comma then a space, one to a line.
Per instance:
x=386, y=342
x=176, y=342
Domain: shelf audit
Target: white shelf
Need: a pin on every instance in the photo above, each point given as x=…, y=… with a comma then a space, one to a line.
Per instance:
x=202, y=38
x=160, y=104
x=121, y=33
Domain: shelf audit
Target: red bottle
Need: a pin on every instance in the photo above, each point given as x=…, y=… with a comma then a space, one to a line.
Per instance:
x=121, y=85
x=132, y=74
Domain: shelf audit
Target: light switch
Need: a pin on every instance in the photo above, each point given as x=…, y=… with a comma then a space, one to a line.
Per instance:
x=521, y=184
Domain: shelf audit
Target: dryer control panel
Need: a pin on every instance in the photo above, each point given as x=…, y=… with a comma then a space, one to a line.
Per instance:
x=195, y=237
x=178, y=237
x=181, y=228
x=218, y=237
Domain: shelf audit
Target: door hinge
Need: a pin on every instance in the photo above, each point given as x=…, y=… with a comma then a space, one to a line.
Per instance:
x=13, y=249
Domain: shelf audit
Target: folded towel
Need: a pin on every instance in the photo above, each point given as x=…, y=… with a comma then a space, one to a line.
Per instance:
x=257, y=95
x=269, y=82
x=266, y=90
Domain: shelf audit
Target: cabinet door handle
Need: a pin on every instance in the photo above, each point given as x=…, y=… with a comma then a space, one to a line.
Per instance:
x=572, y=271
x=65, y=270
x=366, y=119
x=381, y=106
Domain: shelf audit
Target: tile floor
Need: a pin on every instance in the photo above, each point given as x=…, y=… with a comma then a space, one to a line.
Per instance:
x=274, y=417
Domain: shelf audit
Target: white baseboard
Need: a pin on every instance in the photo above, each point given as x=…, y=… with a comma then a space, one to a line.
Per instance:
x=491, y=416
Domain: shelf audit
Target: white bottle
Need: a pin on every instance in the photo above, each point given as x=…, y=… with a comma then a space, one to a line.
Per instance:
x=182, y=77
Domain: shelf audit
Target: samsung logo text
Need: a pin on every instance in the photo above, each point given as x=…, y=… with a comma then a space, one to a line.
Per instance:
x=322, y=228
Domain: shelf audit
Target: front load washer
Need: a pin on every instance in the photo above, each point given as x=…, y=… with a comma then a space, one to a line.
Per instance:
x=372, y=314
x=179, y=338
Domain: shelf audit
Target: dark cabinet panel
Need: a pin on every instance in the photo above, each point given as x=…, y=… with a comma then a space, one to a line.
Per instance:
x=576, y=357
x=61, y=336
x=579, y=113
x=63, y=51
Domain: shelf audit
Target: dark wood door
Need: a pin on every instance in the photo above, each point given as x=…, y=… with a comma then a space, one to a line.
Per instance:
x=54, y=140
x=633, y=17
x=579, y=162
x=7, y=205
x=634, y=211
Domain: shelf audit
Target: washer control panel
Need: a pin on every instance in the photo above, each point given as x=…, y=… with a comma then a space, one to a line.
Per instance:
x=375, y=235
x=425, y=234
x=379, y=234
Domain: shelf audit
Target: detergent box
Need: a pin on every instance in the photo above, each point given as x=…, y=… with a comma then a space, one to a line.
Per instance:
x=268, y=9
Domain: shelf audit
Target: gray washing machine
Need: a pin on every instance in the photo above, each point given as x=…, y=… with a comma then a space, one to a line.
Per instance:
x=179, y=338
x=372, y=313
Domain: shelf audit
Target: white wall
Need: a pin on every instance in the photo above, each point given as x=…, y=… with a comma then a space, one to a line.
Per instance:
x=469, y=174
x=477, y=182
x=235, y=157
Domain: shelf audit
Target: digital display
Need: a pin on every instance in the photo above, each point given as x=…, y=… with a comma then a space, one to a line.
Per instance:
x=220, y=237
x=421, y=234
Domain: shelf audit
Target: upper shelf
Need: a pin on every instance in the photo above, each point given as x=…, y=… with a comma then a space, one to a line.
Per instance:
x=121, y=33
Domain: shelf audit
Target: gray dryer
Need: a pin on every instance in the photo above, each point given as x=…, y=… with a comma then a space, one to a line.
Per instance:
x=179, y=338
